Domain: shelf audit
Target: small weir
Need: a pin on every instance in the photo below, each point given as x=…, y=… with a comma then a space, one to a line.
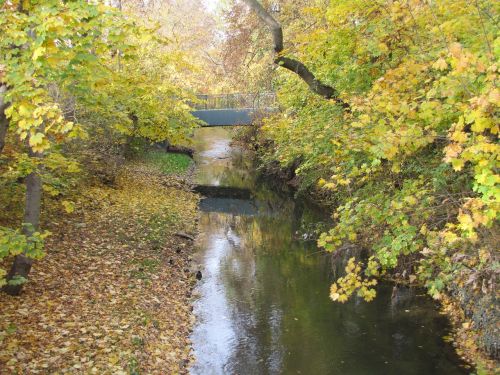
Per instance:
x=262, y=306
x=229, y=192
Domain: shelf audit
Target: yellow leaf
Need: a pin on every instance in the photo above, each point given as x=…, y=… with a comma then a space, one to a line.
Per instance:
x=113, y=359
x=494, y=97
x=383, y=47
x=440, y=64
x=38, y=52
x=456, y=49
x=411, y=200
x=466, y=221
x=36, y=139
x=342, y=298
x=452, y=151
x=23, y=124
x=481, y=124
x=68, y=206
x=24, y=110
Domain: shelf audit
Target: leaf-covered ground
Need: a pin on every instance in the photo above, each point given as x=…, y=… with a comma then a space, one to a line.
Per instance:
x=112, y=294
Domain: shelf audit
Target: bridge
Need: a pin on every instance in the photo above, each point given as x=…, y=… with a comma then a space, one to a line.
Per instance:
x=233, y=109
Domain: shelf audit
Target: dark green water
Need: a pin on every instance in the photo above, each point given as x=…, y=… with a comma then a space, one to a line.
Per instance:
x=263, y=305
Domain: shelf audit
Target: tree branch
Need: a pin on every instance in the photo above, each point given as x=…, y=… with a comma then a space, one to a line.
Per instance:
x=274, y=25
x=293, y=65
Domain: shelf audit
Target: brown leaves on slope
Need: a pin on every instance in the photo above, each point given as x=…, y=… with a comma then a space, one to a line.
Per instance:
x=112, y=294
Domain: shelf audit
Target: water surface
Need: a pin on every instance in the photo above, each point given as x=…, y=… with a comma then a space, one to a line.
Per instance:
x=263, y=305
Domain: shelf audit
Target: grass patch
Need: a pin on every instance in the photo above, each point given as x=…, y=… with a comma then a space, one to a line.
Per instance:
x=169, y=163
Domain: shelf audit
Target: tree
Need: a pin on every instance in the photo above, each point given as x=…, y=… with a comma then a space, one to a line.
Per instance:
x=413, y=171
x=293, y=65
x=66, y=81
x=22, y=263
x=193, y=36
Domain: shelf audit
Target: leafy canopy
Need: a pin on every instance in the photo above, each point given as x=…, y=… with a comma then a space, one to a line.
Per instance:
x=77, y=70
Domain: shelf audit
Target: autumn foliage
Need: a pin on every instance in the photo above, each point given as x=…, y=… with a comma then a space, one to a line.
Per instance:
x=84, y=84
x=412, y=166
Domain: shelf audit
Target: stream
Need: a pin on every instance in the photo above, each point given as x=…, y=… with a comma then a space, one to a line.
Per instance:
x=263, y=304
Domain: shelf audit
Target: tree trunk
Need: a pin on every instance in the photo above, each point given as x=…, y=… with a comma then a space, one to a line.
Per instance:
x=4, y=122
x=22, y=264
x=293, y=65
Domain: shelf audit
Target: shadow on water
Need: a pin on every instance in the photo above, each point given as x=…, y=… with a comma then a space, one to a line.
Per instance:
x=263, y=305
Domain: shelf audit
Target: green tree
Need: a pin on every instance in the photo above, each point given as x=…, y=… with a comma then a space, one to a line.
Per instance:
x=70, y=69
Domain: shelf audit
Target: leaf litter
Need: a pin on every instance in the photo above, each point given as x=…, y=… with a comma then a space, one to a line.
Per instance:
x=112, y=295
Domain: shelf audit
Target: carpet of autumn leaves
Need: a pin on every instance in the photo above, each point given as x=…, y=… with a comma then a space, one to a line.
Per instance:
x=112, y=295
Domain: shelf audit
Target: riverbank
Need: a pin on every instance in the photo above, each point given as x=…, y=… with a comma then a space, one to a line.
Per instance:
x=471, y=307
x=472, y=314
x=112, y=295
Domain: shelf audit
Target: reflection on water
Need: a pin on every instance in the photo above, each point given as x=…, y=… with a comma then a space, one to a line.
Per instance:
x=216, y=160
x=264, y=307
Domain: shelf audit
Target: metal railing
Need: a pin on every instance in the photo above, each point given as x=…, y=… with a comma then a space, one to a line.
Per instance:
x=236, y=101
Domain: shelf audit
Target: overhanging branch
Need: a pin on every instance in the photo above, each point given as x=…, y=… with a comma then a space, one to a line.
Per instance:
x=293, y=65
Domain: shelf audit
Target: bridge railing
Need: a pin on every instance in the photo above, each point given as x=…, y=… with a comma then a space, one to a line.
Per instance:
x=236, y=101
